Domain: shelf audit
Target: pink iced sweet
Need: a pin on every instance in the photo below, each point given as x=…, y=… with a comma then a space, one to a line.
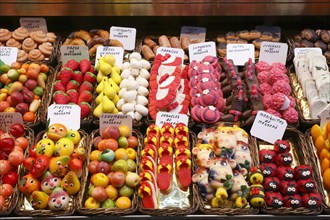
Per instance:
x=292, y=101
x=263, y=76
x=265, y=88
x=274, y=112
x=290, y=115
x=278, y=66
x=278, y=100
x=281, y=86
x=267, y=101
x=262, y=66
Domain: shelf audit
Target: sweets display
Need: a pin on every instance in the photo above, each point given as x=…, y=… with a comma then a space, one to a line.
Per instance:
x=52, y=172
x=32, y=45
x=313, y=76
x=223, y=159
x=92, y=39
x=23, y=87
x=244, y=37
x=314, y=38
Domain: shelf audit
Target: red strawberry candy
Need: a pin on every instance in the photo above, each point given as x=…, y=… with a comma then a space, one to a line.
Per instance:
x=85, y=109
x=90, y=77
x=85, y=96
x=86, y=86
x=84, y=65
x=73, y=95
x=58, y=86
x=72, y=64
x=60, y=97
x=72, y=84
x=78, y=76
x=65, y=75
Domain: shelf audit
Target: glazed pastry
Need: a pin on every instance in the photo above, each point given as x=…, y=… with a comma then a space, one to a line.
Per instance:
x=155, y=48
x=75, y=41
x=310, y=35
x=29, y=44
x=185, y=42
x=36, y=55
x=221, y=39
x=92, y=51
x=297, y=38
x=327, y=55
x=231, y=40
x=325, y=36
x=39, y=36
x=22, y=56
x=254, y=34
x=321, y=45
x=51, y=37
x=147, y=52
x=163, y=41
x=100, y=32
x=20, y=34
x=266, y=36
x=5, y=34
x=81, y=34
x=98, y=40
x=115, y=43
x=241, y=41
x=257, y=43
x=231, y=35
x=244, y=34
x=13, y=43
x=46, y=48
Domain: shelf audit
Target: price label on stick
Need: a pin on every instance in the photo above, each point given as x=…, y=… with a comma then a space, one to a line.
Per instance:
x=8, y=55
x=74, y=52
x=68, y=115
x=9, y=118
x=127, y=36
x=107, y=119
x=198, y=51
x=34, y=24
x=175, y=52
x=268, y=127
x=240, y=53
x=165, y=117
x=273, y=52
x=117, y=52
x=197, y=34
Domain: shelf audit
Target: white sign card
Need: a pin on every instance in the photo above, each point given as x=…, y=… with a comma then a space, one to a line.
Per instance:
x=194, y=33
x=8, y=55
x=268, y=127
x=34, y=24
x=325, y=116
x=304, y=50
x=175, y=52
x=9, y=118
x=74, y=52
x=273, y=52
x=240, y=53
x=108, y=119
x=127, y=36
x=165, y=117
x=117, y=52
x=199, y=51
x=68, y=115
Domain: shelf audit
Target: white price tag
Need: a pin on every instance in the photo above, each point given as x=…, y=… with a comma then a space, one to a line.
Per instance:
x=240, y=53
x=117, y=52
x=199, y=51
x=268, y=127
x=165, y=117
x=197, y=34
x=68, y=115
x=9, y=118
x=273, y=52
x=127, y=36
x=34, y=24
x=74, y=52
x=108, y=119
x=325, y=116
x=175, y=52
x=304, y=50
x=8, y=55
